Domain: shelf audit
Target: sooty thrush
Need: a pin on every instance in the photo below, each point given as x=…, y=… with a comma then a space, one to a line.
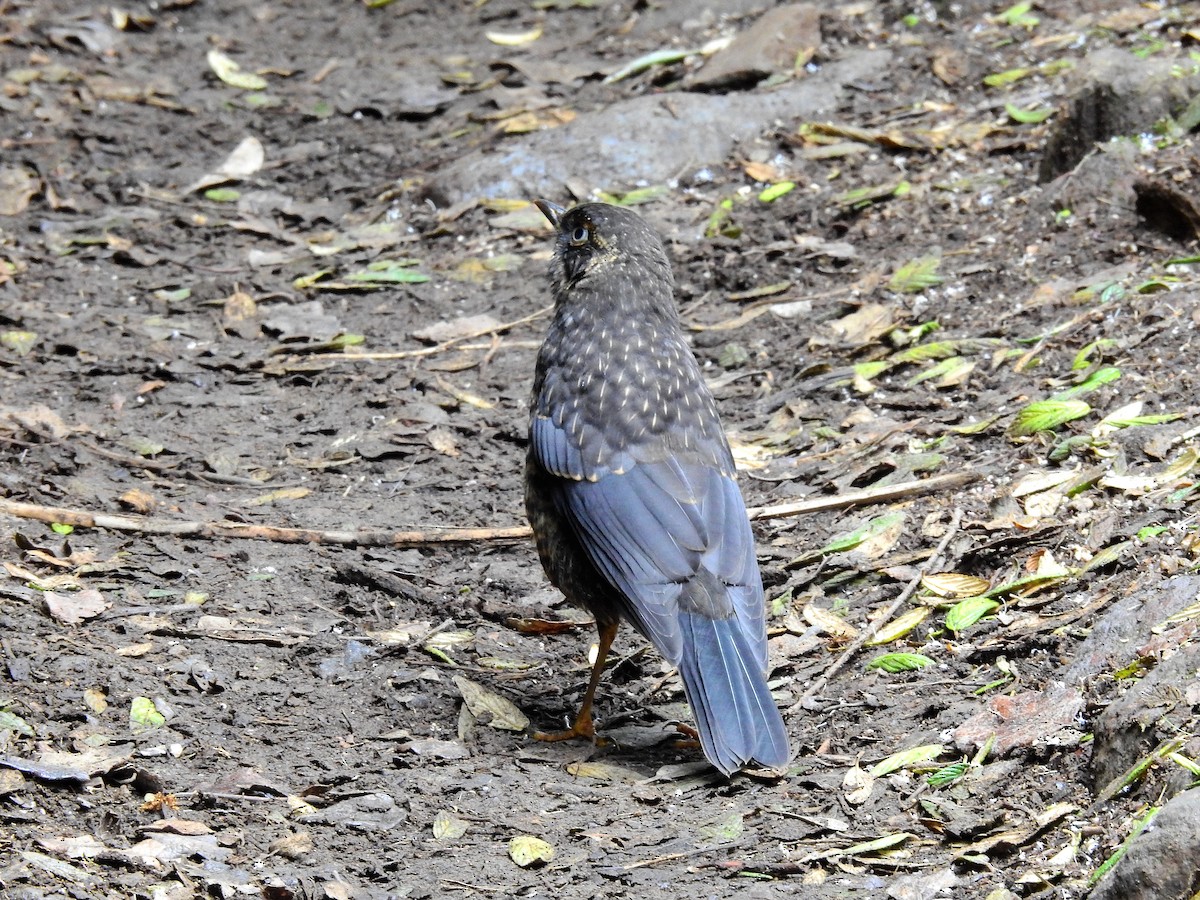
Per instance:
x=630, y=484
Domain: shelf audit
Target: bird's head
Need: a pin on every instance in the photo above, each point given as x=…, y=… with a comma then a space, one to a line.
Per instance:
x=599, y=237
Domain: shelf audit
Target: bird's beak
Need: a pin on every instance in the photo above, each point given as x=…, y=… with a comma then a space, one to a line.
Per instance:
x=552, y=211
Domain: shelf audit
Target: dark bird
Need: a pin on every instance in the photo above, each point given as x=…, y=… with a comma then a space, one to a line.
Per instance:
x=630, y=484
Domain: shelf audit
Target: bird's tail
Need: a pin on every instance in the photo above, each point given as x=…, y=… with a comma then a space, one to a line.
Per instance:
x=727, y=691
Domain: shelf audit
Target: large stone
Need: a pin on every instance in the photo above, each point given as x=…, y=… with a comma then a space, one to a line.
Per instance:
x=1163, y=862
x=1114, y=639
x=1156, y=708
x=1117, y=93
x=773, y=44
x=648, y=139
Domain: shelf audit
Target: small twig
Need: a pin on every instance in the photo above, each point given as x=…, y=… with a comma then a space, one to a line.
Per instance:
x=685, y=854
x=130, y=462
x=437, y=348
x=374, y=538
x=426, y=537
x=819, y=685
x=867, y=495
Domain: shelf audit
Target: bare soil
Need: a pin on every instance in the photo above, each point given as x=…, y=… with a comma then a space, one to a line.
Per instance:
x=171, y=354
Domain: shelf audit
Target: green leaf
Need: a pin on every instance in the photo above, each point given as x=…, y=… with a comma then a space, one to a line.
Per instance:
x=900, y=662
x=1102, y=376
x=1139, y=826
x=10, y=721
x=1019, y=15
x=1150, y=531
x=649, y=61
x=231, y=73
x=876, y=526
x=1004, y=79
x=898, y=627
x=775, y=191
x=916, y=275
x=389, y=271
x=1028, y=116
x=223, y=195
x=923, y=352
x=946, y=370
x=1046, y=415
x=965, y=613
x=20, y=342
x=342, y=341
x=527, y=850
x=1155, y=285
x=948, y=774
x=906, y=758
x=636, y=197
x=720, y=223
x=61, y=528
x=865, y=196
x=144, y=715
x=1083, y=357
x=1137, y=421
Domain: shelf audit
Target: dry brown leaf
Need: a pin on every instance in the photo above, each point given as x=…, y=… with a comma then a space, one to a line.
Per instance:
x=828, y=621
x=292, y=493
x=603, y=771
x=455, y=329
x=72, y=609
x=864, y=325
x=292, y=846
x=857, y=784
x=443, y=441
x=18, y=186
x=537, y=120
x=954, y=584
x=138, y=500
x=761, y=171
x=489, y=707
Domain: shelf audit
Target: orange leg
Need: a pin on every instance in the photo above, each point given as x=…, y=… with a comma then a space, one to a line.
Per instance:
x=583, y=726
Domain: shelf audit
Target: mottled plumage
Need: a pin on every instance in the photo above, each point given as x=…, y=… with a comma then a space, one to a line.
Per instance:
x=630, y=483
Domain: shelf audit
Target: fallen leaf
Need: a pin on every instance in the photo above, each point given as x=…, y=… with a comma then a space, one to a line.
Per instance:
x=72, y=609
x=447, y=827
x=514, y=39
x=527, y=850
x=231, y=73
x=18, y=186
x=489, y=707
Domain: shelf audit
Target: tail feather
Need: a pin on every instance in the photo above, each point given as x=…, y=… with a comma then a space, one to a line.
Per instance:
x=727, y=691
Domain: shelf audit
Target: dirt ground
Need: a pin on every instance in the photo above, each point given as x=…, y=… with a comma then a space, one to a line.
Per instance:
x=209, y=319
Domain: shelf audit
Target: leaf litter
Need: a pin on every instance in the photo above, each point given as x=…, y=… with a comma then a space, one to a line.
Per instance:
x=1069, y=487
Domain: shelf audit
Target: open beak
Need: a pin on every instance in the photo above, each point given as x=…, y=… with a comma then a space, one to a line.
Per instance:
x=552, y=211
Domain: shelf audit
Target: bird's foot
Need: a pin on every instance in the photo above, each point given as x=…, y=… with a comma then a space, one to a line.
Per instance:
x=690, y=737
x=583, y=728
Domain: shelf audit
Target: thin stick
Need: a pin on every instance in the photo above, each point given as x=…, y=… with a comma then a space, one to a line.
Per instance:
x=819, y=685
x=373, y=538
x=868, y=495
x=349, y=355
x=379, y=537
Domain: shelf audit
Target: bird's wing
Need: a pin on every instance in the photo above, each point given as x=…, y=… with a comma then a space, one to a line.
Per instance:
x=670, y=535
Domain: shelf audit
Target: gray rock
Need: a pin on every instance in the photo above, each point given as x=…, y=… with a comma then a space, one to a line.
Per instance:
x=1163, y=862
x=648, y=139
x=1154, y=709
x=1114, y=640
x=1117, y=93
x=772, y=44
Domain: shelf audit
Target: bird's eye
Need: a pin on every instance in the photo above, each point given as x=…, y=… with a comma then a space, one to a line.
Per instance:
x=579, y=236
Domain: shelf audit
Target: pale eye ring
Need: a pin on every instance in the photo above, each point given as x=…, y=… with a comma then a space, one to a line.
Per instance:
x=579, y=236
